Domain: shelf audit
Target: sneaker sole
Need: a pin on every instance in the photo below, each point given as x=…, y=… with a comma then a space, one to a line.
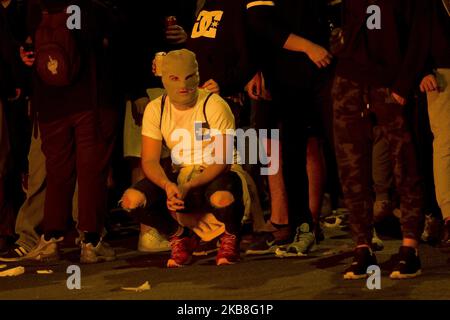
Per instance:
x=11, y=259
x=98, y=260
x=154, y=250
x=396, y=275
x=171, y=263
x=225, y=262
x=353, y=276
x=264, y=252
x=280, y=253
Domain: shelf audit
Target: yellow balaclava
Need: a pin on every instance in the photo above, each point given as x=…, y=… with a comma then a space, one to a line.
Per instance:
x=180, y=77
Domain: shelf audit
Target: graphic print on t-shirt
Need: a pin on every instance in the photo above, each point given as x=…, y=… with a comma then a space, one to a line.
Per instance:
x=207, y=24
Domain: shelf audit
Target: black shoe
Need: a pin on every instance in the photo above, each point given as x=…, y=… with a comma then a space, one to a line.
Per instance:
x=409, y=265
x=320, y=236
x=445, y=242
x=363, y=259
x=14, y=254
x=269, y=242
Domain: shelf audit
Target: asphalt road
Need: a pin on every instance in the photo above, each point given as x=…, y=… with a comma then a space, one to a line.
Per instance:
x=318, y=276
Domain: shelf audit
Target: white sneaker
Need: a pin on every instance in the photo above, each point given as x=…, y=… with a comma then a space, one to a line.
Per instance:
x=152, y=241
x=45, y=250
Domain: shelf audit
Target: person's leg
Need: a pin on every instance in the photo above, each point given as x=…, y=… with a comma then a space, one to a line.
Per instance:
x=390, y=117
x=382, y=176
x=439, y=114
x=32, y=211
x=58, y=145
x=315, y=164
x=352, y=133
x=224, y=196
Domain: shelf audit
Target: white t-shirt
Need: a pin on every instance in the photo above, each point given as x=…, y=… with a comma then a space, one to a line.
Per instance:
x=184, y=131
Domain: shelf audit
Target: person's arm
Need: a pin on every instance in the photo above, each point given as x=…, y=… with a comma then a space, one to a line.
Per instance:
x=262, y=20
x=417, y=51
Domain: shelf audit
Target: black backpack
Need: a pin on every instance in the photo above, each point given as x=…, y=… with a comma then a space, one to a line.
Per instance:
x=57, y=55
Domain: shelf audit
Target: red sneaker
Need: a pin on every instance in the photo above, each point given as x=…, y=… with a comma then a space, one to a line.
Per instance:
x=229, y=250
x=182, y=249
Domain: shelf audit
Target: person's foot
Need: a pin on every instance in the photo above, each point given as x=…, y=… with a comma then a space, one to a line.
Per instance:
x=303, y=243
x=14, y=254
x=229, y=250
x=320, y=236
x=445, y=242
x=382, y=209
x=269, y=242
x=409, y=265
x=45, y=250
x=377, y=243
x=182, y=249
x=152, y=241
x=432, y=231
x=362, y=260
x=102, y=252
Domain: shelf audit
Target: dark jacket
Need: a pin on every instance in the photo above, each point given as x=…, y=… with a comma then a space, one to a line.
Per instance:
x=391, y=57
x=143, y=35
x=273, y=22
x=219, y=40
x=9, y=61
x=440, y=35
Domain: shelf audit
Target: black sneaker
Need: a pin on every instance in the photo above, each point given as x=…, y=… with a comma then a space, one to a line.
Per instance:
x=363, y=259
x=409, y=265
x=445, y=242
x=14, y=254
x=269, y=242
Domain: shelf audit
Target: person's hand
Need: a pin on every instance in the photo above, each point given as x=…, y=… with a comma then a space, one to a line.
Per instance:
x=138, y=108
x=429, y=84
x=211, y=86
x=17, y=95
x=254, y=87
x=184, y=189
x=319, y=55
x=176, y=34
x=173, y=193
x=399, y=99
x=27, y=57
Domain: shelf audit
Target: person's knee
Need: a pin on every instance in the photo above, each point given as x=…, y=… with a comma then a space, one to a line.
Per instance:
x=221, y=199
x=132, y=199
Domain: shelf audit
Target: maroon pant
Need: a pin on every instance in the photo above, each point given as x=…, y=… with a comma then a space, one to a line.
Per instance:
x=77, y=148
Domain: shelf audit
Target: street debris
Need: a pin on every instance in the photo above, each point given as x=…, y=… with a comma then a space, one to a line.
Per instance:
x=44, y=271
x=12, y=272
x=144, y=287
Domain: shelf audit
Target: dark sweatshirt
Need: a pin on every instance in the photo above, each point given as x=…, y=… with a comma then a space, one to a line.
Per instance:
x=440, y=35
x=218, y=39
x=391, y=57
x=9, y=60
x=273, y=21
x=144, y=36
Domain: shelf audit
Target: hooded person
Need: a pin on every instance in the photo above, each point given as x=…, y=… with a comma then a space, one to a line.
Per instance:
x=203, y=194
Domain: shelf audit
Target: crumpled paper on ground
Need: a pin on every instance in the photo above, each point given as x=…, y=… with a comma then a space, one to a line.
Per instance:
x=144, y=287
x=44, y=271
x=13, y=272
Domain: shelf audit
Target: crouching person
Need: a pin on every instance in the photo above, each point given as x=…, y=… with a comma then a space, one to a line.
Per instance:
x=202, y=193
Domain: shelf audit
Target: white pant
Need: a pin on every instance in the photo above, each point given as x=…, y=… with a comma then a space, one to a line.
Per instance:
x=439, y=112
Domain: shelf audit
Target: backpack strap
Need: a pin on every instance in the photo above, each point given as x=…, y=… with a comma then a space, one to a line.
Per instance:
x=204, y=110
x=163, y=104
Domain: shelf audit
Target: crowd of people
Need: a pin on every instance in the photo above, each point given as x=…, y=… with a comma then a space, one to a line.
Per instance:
x=96, y=97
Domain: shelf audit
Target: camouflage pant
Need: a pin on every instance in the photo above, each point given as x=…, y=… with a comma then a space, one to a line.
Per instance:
x=357, y=109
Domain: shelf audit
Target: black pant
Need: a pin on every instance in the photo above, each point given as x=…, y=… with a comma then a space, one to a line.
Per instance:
x=157, y=215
